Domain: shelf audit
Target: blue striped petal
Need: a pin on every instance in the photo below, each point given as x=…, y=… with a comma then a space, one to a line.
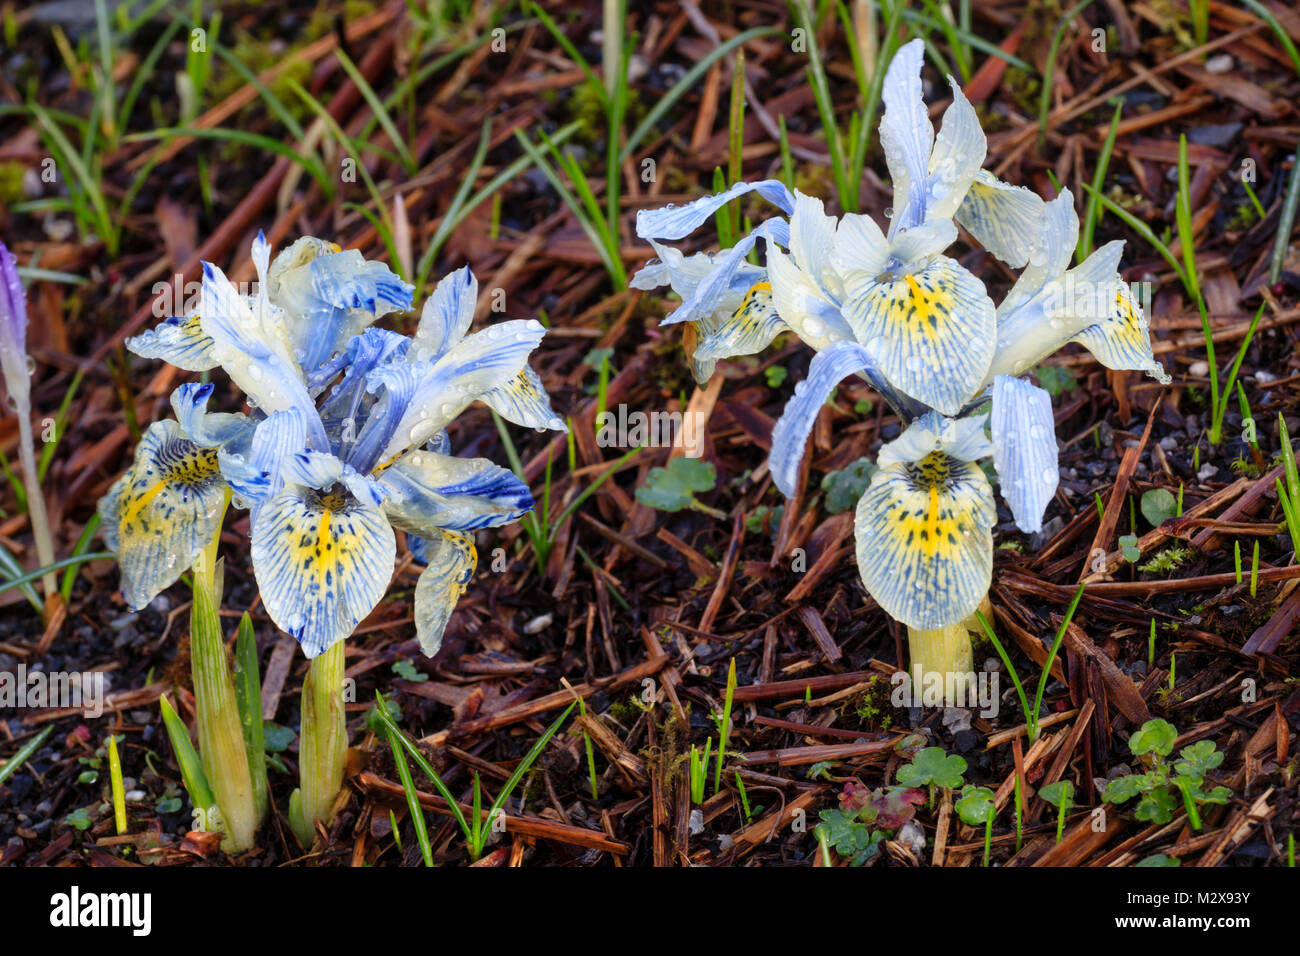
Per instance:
x=523, y=400
x=163, y=511
x=676, y=222
x=249, y=344
x=426, y=491
x=330, y=297
x=924, y=540
x=177, y=341
x=958, y=154
x=451, y=560
x=323, y=560
x=446, y=317
x=932, y=331
x=254, y=473
x=790, y=435
x=712, y=292
x=1002, y=218
x=906, y=136
x=471, y=368
x=1024, y=449
x=209, y=429
x=344, y=411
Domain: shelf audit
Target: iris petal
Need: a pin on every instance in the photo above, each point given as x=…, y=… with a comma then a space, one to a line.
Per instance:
x=427, y=491
x=323, y=561
x=177, y=341
x=451, y=560
x=447, y=315
x=906, y=136
x=932, y=330
x=790, y=435
x=250, y=345
x=163, y=511
x=676, y=222
x=958, y=154
x=803, y=304
x=712, y=292
x=1002, y=218
x=523, y=400
x=209, y=429
x=924, y=540
x=747, y=331
x=1024, y=449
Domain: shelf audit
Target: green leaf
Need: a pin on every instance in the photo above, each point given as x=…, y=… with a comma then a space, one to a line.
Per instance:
x=933, y=767
x=1155, y=736
x=1056, y=379
x=168, y=805
x=1125, y=788
x=1061, y=792
x=79, y=818
x=1128, y=546
x=407, y=671
x=1160, y=859
x=1156, y=806
x=1198, y=759
x=851, y=839
x=277, y=738
x=976, y=806
x=1159, y=505
x=844, y=487
x=673, y=488
x=775, y=375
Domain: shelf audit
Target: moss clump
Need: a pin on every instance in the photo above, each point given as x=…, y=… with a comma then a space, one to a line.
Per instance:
x=11, y=183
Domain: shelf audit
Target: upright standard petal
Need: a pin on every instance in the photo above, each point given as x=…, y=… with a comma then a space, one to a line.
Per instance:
x=446, y=317
x=163, y=511
x=1024, y=449
x=209, y=429
x=676, y=222
x=322, y=560
x=906, y=136
x=803, y=304
x=451, y=560
x=1002, y=218
x=331, y=297
x=251, y=346
x=426, y=491
x=177, y=341
x=829, y=366
x=13, y=328
x=924, y=540
x=958, y=154
x=932, y=331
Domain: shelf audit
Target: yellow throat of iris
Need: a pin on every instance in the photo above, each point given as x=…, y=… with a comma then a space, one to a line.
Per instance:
x=931, y=526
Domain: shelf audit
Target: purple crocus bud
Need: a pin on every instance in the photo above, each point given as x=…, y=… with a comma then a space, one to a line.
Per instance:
x=13, y=328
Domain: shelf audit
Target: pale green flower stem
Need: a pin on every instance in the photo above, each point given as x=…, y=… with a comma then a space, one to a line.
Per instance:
x=221, y=734
x=943, y=652
x=323, y=742
x=35, y=498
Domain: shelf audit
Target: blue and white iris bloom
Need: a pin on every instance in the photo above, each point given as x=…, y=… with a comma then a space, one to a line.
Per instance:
x=346, y=444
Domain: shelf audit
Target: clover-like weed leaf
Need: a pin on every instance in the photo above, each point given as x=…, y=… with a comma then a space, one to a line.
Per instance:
x=855, y=796
x=894, y=806
x=851, y=839
x=1061, y=792
x=844, y=487
x=674, y=488
x=1198, y=759
x=1156, y=806
x=932, y=767
x=1155, y=736
x=1159, y=505
x=975, y=806
x=1128, y=546
x=1125, y=788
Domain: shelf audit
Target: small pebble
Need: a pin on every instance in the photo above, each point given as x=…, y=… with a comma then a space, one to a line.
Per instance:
x=1199, y=369
x=1222, y=63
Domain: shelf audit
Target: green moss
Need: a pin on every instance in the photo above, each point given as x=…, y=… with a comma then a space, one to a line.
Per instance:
x=1167, y=561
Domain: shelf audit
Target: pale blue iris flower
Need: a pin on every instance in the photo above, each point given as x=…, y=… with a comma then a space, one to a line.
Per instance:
x=346, y=442
x=924, y=333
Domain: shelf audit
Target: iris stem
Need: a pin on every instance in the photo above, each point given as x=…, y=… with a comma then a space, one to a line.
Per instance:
x=35, y=499
x=942, y=655
x=221, y=734
x=324, y=738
